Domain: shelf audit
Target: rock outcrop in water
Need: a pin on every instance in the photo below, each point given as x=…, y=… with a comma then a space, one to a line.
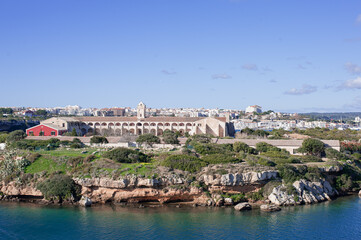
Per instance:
x=243, y=206
x=305, y=192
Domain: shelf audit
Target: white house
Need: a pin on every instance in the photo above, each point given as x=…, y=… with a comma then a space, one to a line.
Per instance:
x=254, y=108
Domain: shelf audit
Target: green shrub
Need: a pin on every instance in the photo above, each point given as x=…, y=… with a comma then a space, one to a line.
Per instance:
x=266, y=147
x=236, y=198
x=65, y=143
x=254, y=160
x=288, y=173
x=266, y=162
x=240, y=146
x=184, y=162
x=220, y=158
x=313, y=147
x=33, y=156
x=76, y=143
x=280, y=157
x=212, y=148
x=356, y=156
x=126, y=155
x=3, y=137
x=255, y=196
x=10, y=168
x=89, y=158
x=147, y=138
x=59, y=186
x=276, y=154
x=201, y=138
x=27, y=144
x=258, y=132
x=310, y=158
x=16, y=135
x=334, y=154
x=98, y=139
x=313, y=174
x=344, y=183
x=170, y=137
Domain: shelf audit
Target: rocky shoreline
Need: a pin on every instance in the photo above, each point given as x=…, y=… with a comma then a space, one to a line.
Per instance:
x=175, y=188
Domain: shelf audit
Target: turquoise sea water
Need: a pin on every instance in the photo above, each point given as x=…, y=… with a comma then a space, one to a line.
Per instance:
x=339, y=219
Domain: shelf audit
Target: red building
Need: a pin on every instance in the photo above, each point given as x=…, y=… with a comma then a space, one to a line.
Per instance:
x=45, y=130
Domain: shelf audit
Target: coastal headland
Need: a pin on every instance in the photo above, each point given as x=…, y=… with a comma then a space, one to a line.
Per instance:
x=195, y=170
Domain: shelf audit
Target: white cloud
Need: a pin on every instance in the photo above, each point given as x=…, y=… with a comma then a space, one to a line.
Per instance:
x=167, y=72
x=305, y=89
x=351, y=84
x=221, y=76
x=250, y=66
x=353, y=68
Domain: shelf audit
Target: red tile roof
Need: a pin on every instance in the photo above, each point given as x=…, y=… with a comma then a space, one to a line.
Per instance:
x=149, y=119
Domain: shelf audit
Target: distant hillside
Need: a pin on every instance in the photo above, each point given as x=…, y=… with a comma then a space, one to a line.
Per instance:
x=332, y=116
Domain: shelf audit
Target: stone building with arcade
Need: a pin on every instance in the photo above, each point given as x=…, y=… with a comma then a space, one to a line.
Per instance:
x=140, y=124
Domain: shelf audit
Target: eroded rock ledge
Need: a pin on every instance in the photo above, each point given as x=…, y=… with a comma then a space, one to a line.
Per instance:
x=305, y=192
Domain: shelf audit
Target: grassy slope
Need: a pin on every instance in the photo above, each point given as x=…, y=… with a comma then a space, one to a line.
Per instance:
x=58, y=160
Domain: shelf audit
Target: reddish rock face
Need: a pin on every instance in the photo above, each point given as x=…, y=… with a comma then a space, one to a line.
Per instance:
x=13, y=190
x=136, y=195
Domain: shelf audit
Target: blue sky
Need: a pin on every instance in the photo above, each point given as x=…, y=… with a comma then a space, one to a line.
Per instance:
x=296, y=56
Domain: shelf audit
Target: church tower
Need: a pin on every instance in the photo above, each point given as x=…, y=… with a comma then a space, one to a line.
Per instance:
x=141, y=110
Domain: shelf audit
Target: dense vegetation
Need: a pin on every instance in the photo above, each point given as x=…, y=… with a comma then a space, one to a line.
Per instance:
x=170, y=137
x=51, y=144
x=59, y=187
x=313, y=147
x=184, y=162
x=98, y=140
x=258, y=132
x=126, y=155
x=148, y=139
x=327, y=134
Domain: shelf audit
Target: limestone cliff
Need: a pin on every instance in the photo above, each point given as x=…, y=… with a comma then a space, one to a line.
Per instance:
x=305, y=192
x=203, y=188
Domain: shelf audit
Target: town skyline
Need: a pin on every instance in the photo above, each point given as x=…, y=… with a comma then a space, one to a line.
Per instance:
x=287, y=57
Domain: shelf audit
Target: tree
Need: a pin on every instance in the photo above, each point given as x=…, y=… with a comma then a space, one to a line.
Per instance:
x=98, y=139
x=73, y=132
x=6, y=111
x=3, y=137
x=241, y=146
x=263, y=147
x=247, y=131
x=313, y=147
x=170, y=137
x=76, y=143
x=147, y=138
x=16, y=136
x=41, y=112
x=201, y=138
x=126, y=155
